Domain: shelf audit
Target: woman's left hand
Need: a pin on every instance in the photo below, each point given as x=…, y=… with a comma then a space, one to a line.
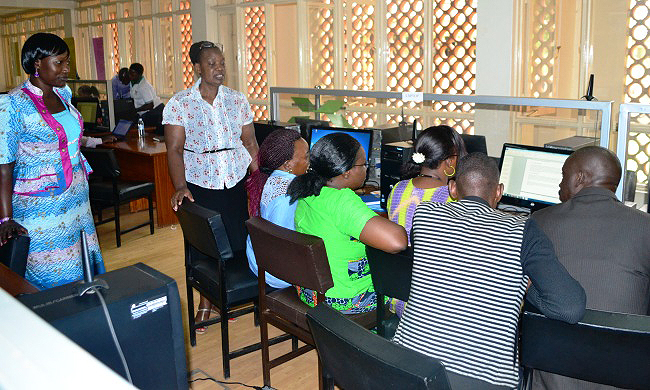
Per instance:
x=9, y=230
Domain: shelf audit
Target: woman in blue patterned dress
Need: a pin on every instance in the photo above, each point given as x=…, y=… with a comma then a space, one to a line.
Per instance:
x=43, y=176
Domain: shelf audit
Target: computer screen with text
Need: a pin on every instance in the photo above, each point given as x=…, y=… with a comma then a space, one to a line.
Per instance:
x=531, y=175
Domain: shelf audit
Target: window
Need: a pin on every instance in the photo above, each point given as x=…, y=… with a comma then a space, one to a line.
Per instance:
x=342, y=49
x=167, y=27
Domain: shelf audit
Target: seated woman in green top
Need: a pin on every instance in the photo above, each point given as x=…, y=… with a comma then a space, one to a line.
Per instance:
x=328, y=208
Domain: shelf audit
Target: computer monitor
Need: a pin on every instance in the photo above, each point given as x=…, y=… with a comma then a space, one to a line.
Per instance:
x=124, y=109
x=307, y=123
x=363, y=136
x=531, y=175
x=474, y=143
x=88, y=111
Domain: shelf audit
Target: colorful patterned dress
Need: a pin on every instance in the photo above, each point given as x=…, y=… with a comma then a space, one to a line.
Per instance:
x=405, y=197
x=50, y=193
x=402, y=201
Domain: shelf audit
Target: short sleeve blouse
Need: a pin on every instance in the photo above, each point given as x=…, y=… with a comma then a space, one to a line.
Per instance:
x=338, y=217
x=214, y=128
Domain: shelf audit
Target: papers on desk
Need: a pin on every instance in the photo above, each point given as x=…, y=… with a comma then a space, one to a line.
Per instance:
x=372, y=201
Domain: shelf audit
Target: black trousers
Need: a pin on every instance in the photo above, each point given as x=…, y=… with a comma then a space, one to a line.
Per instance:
x=232, y=204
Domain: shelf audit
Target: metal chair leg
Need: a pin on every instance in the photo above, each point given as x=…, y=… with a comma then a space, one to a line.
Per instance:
x=118, y=239
x=190, y=311
x=225, y=347
x=294, y=343
x=150, y=213
x=325, y=382
x=266, y=365
x=256, y=314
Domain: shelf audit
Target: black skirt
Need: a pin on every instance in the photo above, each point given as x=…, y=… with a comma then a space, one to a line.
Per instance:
x=232, y=204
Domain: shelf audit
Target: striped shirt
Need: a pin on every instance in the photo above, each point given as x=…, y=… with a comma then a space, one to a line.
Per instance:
x=468, y=285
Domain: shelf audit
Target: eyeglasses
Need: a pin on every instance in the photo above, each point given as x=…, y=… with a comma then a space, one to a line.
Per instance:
x=365, y=164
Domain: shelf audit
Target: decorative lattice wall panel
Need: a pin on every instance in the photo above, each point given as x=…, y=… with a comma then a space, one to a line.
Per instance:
x=637, y=82
x=255, y=30
x=542, y=49
x=321, y=39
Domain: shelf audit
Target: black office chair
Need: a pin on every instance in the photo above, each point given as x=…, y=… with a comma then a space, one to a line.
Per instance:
x=391, y=276
x=107, y=190
x=219, y=274
x=355, y=358
x=605, y=348
x=14, y=253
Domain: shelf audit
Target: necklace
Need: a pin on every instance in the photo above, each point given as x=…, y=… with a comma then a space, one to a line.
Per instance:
x=431, y=176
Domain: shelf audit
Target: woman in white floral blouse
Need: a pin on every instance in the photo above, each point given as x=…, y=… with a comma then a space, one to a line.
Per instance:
x=210, y=145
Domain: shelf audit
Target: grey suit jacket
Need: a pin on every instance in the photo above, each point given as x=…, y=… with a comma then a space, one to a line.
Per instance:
x=605, y=246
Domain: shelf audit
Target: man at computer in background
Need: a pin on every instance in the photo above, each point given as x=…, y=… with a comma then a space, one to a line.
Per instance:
x=472, y=265
x=121, y=84
x=146, y=102
x=604, y=244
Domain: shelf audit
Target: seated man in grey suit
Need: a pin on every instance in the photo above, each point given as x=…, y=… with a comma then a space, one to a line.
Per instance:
x=472, y=265
x=604, y=244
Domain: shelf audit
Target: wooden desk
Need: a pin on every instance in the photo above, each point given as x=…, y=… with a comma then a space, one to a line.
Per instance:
x=13, y=283
x=146, y=160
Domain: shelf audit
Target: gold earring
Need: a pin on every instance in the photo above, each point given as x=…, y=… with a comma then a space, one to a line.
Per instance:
x=453, y=172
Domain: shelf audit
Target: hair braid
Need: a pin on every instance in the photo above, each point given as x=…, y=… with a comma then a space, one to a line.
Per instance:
x=275, y=150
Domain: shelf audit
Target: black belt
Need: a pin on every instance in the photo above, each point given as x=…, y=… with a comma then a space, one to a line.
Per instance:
x=209, y=151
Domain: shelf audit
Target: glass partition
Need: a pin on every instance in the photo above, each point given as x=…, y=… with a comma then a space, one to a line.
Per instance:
x=529, y=121
x=633, y=145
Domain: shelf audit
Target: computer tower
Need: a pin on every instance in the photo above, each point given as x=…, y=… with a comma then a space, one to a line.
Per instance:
x=384, y=134
x=393, y=156
x=144, y=306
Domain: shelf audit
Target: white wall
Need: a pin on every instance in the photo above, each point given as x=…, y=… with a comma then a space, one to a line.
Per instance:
x=494, y=72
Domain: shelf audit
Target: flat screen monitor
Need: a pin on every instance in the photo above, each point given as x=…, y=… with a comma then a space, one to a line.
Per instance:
x=363, y=136
x=531, y=175
x=474, y=143
x=88, y=111
x=124, y=109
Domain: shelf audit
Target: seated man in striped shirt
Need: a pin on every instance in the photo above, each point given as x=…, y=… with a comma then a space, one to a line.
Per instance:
x=472, y=266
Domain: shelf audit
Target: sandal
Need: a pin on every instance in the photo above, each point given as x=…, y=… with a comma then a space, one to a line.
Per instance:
x=203, y=329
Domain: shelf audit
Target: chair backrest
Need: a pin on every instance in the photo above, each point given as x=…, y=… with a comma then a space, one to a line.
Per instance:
x=204, y=230
x=391, y=273
x=297, y=258
x=102, y=161
x=14, y=253
x=346, y=349
x=606, y=348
